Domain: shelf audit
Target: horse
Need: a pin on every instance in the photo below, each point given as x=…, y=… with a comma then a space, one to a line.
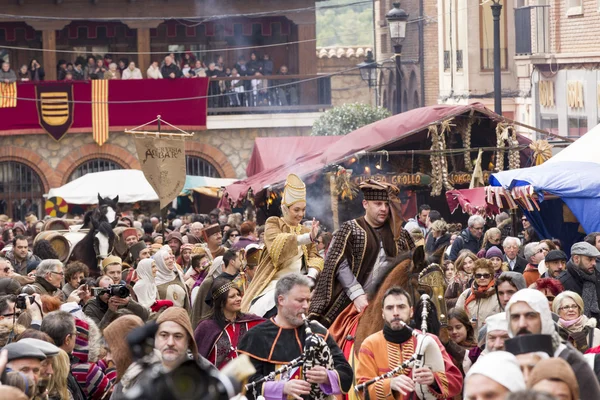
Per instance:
x=97, y=244
x=108, y=211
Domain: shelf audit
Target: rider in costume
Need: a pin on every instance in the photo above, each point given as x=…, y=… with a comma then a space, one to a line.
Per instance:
x=290, y=247
x=360, y=251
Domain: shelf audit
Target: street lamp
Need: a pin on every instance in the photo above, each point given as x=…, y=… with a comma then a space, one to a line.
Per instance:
x=397, y=19
x=368, y=69
x=496, y=10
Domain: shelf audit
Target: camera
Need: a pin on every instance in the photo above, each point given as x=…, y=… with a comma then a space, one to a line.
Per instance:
x=113, y=290
x=21, y=301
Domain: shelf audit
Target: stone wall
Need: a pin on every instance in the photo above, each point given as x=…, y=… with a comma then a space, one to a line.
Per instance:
x=228, y=150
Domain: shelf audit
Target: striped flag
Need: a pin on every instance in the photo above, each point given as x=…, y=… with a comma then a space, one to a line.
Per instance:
x=8, y=95
x=100, y=110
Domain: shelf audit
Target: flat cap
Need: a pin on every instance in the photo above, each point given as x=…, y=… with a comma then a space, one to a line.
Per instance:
x=584, y=249
x=47, y=348
x=556, y=255
x=20, y=350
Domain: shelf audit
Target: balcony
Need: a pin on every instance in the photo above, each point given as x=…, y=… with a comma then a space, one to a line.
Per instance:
x=531, y=30
x=270, y=94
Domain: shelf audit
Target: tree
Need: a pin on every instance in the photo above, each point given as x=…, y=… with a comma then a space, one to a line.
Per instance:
x=344, y=23
x=347, y=118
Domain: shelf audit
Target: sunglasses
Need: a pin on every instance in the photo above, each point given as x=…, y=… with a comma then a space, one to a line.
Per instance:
x=550, y=298
x=543, y=250
x=234, y=235
x=6, y=270
x=483, y=276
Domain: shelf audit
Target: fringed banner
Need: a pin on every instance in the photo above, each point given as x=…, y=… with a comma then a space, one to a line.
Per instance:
x=8, y=95
x=100, y=110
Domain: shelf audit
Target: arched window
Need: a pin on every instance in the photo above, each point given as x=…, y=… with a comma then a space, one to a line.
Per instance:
x=21, y=190
x=95, y=165
x=197, y=166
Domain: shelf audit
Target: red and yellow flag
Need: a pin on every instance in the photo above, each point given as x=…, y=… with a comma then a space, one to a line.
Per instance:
x=100, y=110
x=8, y=95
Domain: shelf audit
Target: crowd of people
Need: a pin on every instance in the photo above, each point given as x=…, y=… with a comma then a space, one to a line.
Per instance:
x=259, y=91
x=521, y=317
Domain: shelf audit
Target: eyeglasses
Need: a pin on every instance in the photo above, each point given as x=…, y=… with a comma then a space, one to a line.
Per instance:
x=234, y=235
x=477, y=229
x=58, y=273
x=571, y=307
x=483, y=276
x=543, y=249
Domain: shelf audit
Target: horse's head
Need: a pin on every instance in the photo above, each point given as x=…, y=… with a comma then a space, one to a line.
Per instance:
x=104, y=238
x=108, y=207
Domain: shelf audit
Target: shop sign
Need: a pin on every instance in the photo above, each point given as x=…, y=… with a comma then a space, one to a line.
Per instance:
x=464, y=178
x=402, y=179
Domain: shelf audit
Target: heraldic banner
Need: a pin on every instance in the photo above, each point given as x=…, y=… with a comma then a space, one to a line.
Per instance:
x=58, y=108
x=163, y=161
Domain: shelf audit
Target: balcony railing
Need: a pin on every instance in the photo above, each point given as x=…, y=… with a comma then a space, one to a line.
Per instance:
x=487, y=59
x=269, y=94
x=531, y=30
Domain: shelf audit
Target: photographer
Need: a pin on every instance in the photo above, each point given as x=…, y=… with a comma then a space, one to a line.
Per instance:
x=11, y=308
x=104, y=306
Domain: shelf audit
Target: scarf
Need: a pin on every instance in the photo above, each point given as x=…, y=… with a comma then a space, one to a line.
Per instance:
x=164, y=274
x=46, y=285
x=145, y=288
x=589, y=294
x=480, y=292
x=397, y=337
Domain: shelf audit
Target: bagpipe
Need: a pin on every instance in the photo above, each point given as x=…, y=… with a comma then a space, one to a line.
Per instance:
x=316, y=352
x=427, y=353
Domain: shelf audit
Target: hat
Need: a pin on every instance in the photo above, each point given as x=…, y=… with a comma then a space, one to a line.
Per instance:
x=556, y=255
x=524, y=344
x=174, y=235
x=211, y=230
x=539, y=303
x=554, y=369
x=136, y=249
x=32, y=265
x=177, y=223
x=584, y=249
x=187, y=246
x=129, y=232
x=181, y=317
x=373, y=191
x=47, y=348
x=114, y=333
x=111, y=260
x=20, y=350
x=253, y=253
x=496, y=322
x=501, y=367
x=293, y=191
x=494, y=252
x=199, y=250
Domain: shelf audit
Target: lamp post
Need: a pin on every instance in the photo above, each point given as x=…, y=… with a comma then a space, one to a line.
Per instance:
x=368, y=69
x=397, y=19
x=496, y=10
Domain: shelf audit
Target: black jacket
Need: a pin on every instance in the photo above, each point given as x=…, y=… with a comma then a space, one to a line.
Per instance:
x=465, y=241
x=72, y=384
x=586, y=378
x=166, y=70
x=432, y=244
x=571, y=280
x=520, y=264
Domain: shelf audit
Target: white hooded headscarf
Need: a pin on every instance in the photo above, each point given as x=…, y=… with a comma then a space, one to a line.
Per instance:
x=145, y=287
x=163, y=273
x=501, y=367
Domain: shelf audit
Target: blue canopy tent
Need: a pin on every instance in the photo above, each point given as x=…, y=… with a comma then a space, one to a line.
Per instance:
x=567, y=188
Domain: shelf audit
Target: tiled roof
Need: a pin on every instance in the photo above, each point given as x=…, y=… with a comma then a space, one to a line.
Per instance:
x=339, y=52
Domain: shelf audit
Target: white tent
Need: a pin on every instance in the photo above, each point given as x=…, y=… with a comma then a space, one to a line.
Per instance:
x=130, y=184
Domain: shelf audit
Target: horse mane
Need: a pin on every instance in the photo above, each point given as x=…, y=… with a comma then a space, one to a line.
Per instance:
x=437, y=257
x=106, y=229
x=377, y=283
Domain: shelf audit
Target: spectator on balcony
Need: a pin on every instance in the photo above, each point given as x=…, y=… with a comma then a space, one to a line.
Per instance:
x=153, y=71
x=287, y=92
x=259, y=90
x=237, y=89
x=188, y=58
x=170, y=70
x=267, y=65
x=89, y=68
x=68, y=77
x=199, y=69
x=108, y=59
x=61, y=70
x=131, y=72
x=23, y=74
x=214, y=90
x=78, y=73
x=123, y=65
x=36, y=72
x=254, y=65
x=220, y=64
x=99, y=71
x=70, y=67
x=186, y=71
x=7, y=75
x=113, y=72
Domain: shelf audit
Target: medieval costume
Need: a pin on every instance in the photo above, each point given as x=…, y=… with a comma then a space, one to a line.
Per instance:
x=290, y=248
x=208, y=232
x=170, y=282
x=269, y=347
x=201, y=308
x=358, y=254
x=252, y=255
x=385, y=350
x=218, y=344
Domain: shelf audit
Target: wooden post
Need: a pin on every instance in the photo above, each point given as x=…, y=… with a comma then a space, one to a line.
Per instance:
x=307, y=61
x=49, y=45
x=143, y=42
x=334, y=202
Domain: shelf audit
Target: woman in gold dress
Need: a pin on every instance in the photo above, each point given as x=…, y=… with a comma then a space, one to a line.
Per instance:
x=290, y=247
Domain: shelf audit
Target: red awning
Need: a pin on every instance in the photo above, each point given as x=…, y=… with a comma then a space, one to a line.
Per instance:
x=272, y=152
x=372, y=137
x=472, y=202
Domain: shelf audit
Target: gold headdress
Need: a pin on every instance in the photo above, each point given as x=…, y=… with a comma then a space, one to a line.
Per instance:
x=294, y=190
